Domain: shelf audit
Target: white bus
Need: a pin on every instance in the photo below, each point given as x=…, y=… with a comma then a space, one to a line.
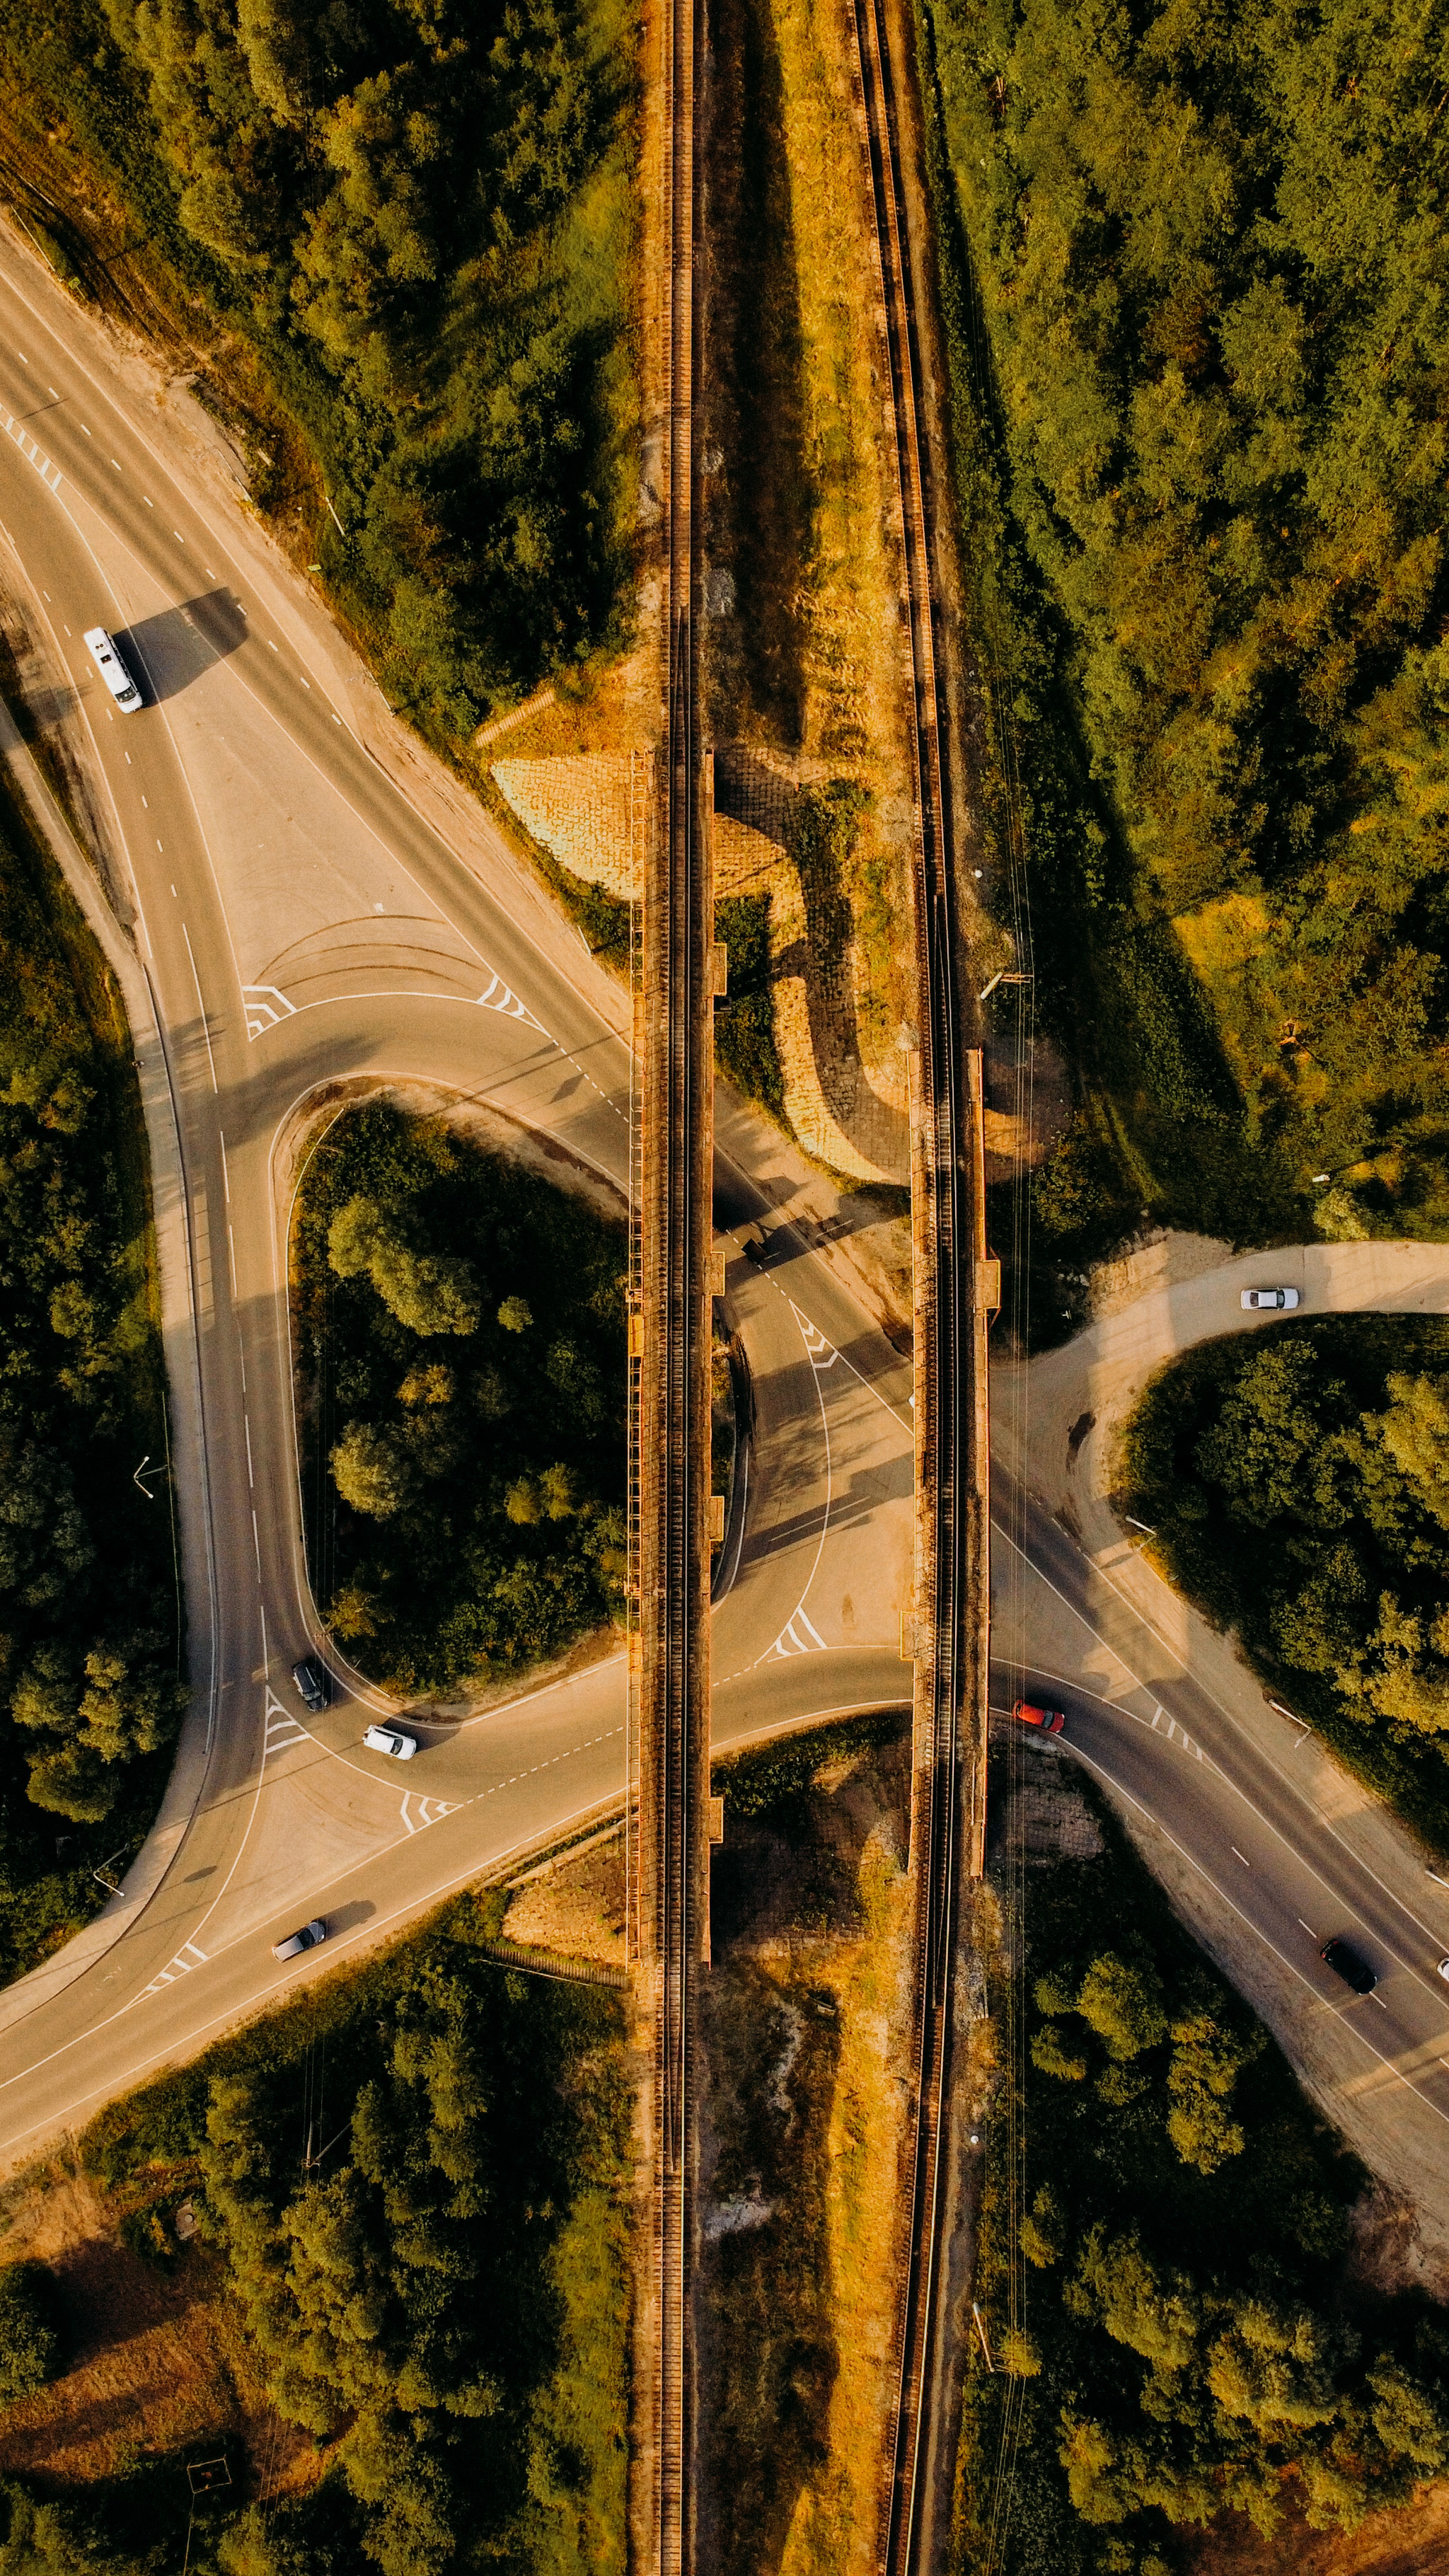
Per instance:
x=112, y=669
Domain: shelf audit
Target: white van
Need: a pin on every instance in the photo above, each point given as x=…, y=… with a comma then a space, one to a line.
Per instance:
x=112, y=669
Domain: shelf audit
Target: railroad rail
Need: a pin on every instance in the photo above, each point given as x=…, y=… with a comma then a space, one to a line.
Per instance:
x=952, y=1287
x=670, y=1389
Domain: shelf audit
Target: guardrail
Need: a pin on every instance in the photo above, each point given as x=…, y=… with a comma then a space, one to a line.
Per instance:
x=534, y=1962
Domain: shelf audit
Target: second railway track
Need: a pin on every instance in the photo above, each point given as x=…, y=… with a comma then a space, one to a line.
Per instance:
x=670, y=1660
x=952, y=1590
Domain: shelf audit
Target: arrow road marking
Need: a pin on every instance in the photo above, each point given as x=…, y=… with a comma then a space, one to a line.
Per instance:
x=791, y=1640
x=1175, y=1733
x=823, y=1354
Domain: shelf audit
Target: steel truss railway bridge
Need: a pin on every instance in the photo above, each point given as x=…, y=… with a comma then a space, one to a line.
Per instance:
x=670, y=1336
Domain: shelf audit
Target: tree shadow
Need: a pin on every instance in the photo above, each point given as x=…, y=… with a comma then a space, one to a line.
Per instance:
x=815, y=826
x=786, y=1881
x=756, y=404
x=769, y=2358
x=178, y=646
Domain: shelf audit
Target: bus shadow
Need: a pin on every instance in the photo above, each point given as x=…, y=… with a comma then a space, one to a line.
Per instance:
x=169, y=652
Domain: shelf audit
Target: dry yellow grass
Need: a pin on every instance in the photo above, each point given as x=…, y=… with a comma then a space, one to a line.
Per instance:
x=590, y=813
x=845, y=711
x=1412, y=2540
x=574, y=1904
x=806, y=2014
x=159, y=2365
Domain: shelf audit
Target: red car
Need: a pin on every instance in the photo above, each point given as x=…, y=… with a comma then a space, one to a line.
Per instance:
x=1051, y=1720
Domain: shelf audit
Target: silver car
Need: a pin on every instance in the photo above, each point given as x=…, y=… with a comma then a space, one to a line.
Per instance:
x=393, y=1740
x=1254, y=1299
x=296, y=1942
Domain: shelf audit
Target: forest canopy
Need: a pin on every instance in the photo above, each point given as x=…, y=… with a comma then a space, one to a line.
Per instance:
x=462, y=1353
x=1187, y=2331
x=1297, y=1480
x=421, y=217
x=1197, y=280
x=410, y=2191
x=90, y=1620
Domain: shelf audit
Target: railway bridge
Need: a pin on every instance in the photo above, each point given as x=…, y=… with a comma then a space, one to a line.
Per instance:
x=670, y=1338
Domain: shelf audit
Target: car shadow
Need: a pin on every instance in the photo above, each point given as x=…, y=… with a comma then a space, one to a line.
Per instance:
x=347, y=1917
x=169, y=652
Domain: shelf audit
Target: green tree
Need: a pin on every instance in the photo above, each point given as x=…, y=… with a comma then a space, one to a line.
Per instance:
x=371, y=1471
x=31, y=2340
x=429, y=1292
x=1050, y=2054
x=1157, y=2314
x=1274, y=2367
x=1122, y=2003
x=1043, y=2230
x=485, y=1526
x=1415, y=1433
x=1207, y=2060
x=1411, y=2420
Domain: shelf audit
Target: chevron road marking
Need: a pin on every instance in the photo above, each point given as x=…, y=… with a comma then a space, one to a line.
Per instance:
x=187, y=1958
x=429, y=1811
x=266, y=1005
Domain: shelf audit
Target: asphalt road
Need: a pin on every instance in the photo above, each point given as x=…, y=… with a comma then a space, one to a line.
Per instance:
x=1266, y=1846
x=302, y=924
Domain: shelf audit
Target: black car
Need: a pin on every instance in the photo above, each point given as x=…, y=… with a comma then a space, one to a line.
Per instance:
x=312, y=1684
x=1345, y=1962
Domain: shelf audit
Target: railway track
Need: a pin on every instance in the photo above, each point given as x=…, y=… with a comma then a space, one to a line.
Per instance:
x=670, y=1351
x=951, y=1586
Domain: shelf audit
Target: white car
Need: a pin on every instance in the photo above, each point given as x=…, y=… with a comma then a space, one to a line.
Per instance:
x=296, y=1942
x=112, y=669
x=1254, y=1299
x=1444, y=1970
x=391, y=1739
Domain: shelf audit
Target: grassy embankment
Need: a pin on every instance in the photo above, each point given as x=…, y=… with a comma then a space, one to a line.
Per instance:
x=459, y=1332
x=1298, y=1483
x=92, y=1652
x=1192, y=2341
x=401, y=2319
x=1192, y=275
x=805, y=669
x=805, y=2011
x=447, y=361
